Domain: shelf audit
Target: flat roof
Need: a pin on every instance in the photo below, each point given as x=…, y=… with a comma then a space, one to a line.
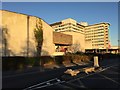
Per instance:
x=57, y=23
x=98, y=24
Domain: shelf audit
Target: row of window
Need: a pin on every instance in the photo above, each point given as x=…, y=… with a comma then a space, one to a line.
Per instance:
x=68, y=24
x=97, y=44
x=91, y=31
x=94, y=39
x=94, y=27
x=94, y=36
x=98, y=41
x=101, y=39
x=94, y=33
x=69, y=28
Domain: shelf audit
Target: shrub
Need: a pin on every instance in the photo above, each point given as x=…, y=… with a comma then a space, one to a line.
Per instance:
x=59, y=60
x=19, y=63
x=86, y=58
x=47, y=60
x=30, y=61
x=67, y=58
x=76, y=58
x=13, y=63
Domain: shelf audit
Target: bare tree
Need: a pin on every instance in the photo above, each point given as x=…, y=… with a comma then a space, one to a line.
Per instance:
x=75, y=47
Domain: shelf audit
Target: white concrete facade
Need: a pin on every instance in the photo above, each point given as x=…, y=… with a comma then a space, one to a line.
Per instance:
x=71, y=27
x=94, y=36
x=97, y=35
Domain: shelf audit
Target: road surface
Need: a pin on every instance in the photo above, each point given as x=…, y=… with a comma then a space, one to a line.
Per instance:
x=108, y=78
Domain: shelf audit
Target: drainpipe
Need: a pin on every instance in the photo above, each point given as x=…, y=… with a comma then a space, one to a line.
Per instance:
x=27, y=36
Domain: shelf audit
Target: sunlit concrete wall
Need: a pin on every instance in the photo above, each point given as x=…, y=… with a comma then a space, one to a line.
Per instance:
x=78, y=40
x=88, y=44
x=20, y=30
x=48, y=45
x=16, y=25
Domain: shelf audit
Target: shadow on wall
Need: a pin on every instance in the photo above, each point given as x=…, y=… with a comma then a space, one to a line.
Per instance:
x=4, y=41
x=4, y=45
x=0, y=41
x=31, y=50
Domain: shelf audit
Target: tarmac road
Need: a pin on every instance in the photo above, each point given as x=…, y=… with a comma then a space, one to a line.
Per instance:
x=107, y=79
x=26, y=79
x=100, y=80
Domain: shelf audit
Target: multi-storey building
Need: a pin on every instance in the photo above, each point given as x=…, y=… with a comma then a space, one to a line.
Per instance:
x=97, y=35
x=87, y=36
x=71, y=27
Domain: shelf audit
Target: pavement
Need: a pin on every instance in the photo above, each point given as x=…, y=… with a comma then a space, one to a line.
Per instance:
x=108, y=78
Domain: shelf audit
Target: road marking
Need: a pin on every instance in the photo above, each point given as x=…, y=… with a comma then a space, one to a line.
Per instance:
x=94, y=73
x=109, y=78
x=40, y=83
x=58, y=80
x=74, y=85
x=44, y=84
x=80, y=82
x=64, y=86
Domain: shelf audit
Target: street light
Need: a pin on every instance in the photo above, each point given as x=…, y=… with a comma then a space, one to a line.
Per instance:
x=118, y=46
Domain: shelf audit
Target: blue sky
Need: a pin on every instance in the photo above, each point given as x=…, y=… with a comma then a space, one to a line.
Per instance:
x=91, y=12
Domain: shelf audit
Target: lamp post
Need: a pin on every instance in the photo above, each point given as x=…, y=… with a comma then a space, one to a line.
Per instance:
x=118, y=46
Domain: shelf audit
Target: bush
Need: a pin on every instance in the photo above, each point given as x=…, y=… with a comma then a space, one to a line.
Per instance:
x=59, y=60
x=30, y=61
x=19, y=63
x=13, y=63
x=76, y=58
x=67, y=58
x=47, y=59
